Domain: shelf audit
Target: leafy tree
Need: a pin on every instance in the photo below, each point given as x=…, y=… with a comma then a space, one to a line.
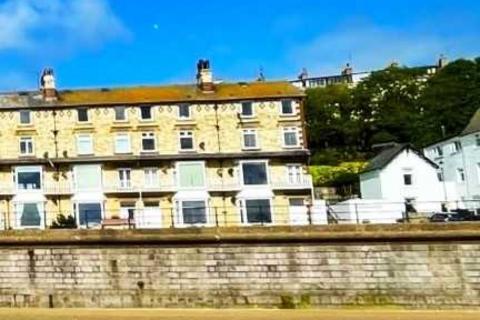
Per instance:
x=449, y=100
x=64, y=222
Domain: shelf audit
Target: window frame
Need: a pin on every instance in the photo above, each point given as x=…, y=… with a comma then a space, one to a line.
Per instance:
x=116, y=139
x=125, y=113
x=457, y=147
x=156, y=182
x=141, y=116
x=24, y=139
x=244, y=211
x=76, y=211
x=286, y=130
x=461, y=175
x=178, y=164
x=407, y=179
x=153, y=136
x=38, y=169
x=127, y=174
x=180, y=140
x=75, y=177
x=86, y=113
x=267, y=171
x=246, y=116
x=255, y=133
x=81, y=136
x=23, y=111
x=18, y=215
x=179, y=111
x=180, y=215
x=292, y=107
x=300, y=173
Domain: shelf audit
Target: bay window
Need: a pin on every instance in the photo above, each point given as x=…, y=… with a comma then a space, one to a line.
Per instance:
x=254, y=173
x=29, y=214
x=193, y=211
x=88, y=213
x=28, y=178
x=88, y=177
x=258, y=211
x=191, y=175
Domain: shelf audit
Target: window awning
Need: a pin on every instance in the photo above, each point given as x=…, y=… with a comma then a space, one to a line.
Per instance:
x=191, y=195
x=88, y=197
x=255, y=193
x=29, y=197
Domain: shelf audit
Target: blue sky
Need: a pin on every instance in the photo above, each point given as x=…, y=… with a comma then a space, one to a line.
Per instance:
x=93, y=43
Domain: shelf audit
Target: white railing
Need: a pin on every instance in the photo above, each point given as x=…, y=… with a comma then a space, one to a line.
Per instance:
x=297, y=183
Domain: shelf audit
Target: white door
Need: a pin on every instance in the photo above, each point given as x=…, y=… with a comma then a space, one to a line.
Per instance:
x=149, y=218
x=298, y=211
x=294, y=174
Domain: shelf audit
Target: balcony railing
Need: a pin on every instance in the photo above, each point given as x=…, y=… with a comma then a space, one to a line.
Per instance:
x=304, y=182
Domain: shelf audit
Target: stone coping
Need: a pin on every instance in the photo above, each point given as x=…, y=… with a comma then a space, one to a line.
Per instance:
x=251, y=234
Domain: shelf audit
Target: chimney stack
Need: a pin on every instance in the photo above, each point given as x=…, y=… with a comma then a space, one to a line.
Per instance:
x=47, y=85
x=204, y=76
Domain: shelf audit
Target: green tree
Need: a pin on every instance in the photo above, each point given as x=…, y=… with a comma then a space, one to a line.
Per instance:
x=449, y=100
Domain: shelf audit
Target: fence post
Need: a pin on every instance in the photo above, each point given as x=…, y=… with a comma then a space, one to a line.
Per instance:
x=172, y=218
x=216, y=216
x=44, y=219
x=407, y=217
x=309, y=214
x=356, y=213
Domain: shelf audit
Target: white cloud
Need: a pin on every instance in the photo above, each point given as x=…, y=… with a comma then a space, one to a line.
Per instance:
x=372, y=47
x=37, y=25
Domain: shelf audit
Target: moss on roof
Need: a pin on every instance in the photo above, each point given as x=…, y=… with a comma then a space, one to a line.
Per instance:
x=178, y=93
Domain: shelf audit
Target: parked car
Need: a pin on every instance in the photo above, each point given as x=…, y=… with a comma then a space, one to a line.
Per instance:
x=455, y=216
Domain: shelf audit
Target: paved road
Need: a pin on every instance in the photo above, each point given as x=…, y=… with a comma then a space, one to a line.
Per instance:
x=231, y=314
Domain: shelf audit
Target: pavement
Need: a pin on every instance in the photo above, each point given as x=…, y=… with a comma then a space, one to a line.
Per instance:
x=235, y=314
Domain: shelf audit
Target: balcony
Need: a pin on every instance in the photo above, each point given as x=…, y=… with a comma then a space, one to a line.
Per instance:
x=300, y=183
x=132, y=188
x=47, y=189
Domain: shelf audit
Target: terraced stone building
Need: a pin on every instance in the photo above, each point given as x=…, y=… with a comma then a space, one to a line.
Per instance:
x=154, y=156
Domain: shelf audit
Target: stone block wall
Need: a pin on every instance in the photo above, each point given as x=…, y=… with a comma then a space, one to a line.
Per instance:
x=413, y=274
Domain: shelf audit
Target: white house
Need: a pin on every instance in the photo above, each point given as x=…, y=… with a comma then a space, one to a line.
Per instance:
x=458, y=159
x=401, y=174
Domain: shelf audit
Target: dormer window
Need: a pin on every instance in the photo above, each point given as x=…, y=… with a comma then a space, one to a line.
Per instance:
x=247, y=109
x=25, y=117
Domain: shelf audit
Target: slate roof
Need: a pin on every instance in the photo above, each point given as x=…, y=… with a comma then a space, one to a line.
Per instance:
x=153, y=94
x=382, y=159
x=473, y=125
